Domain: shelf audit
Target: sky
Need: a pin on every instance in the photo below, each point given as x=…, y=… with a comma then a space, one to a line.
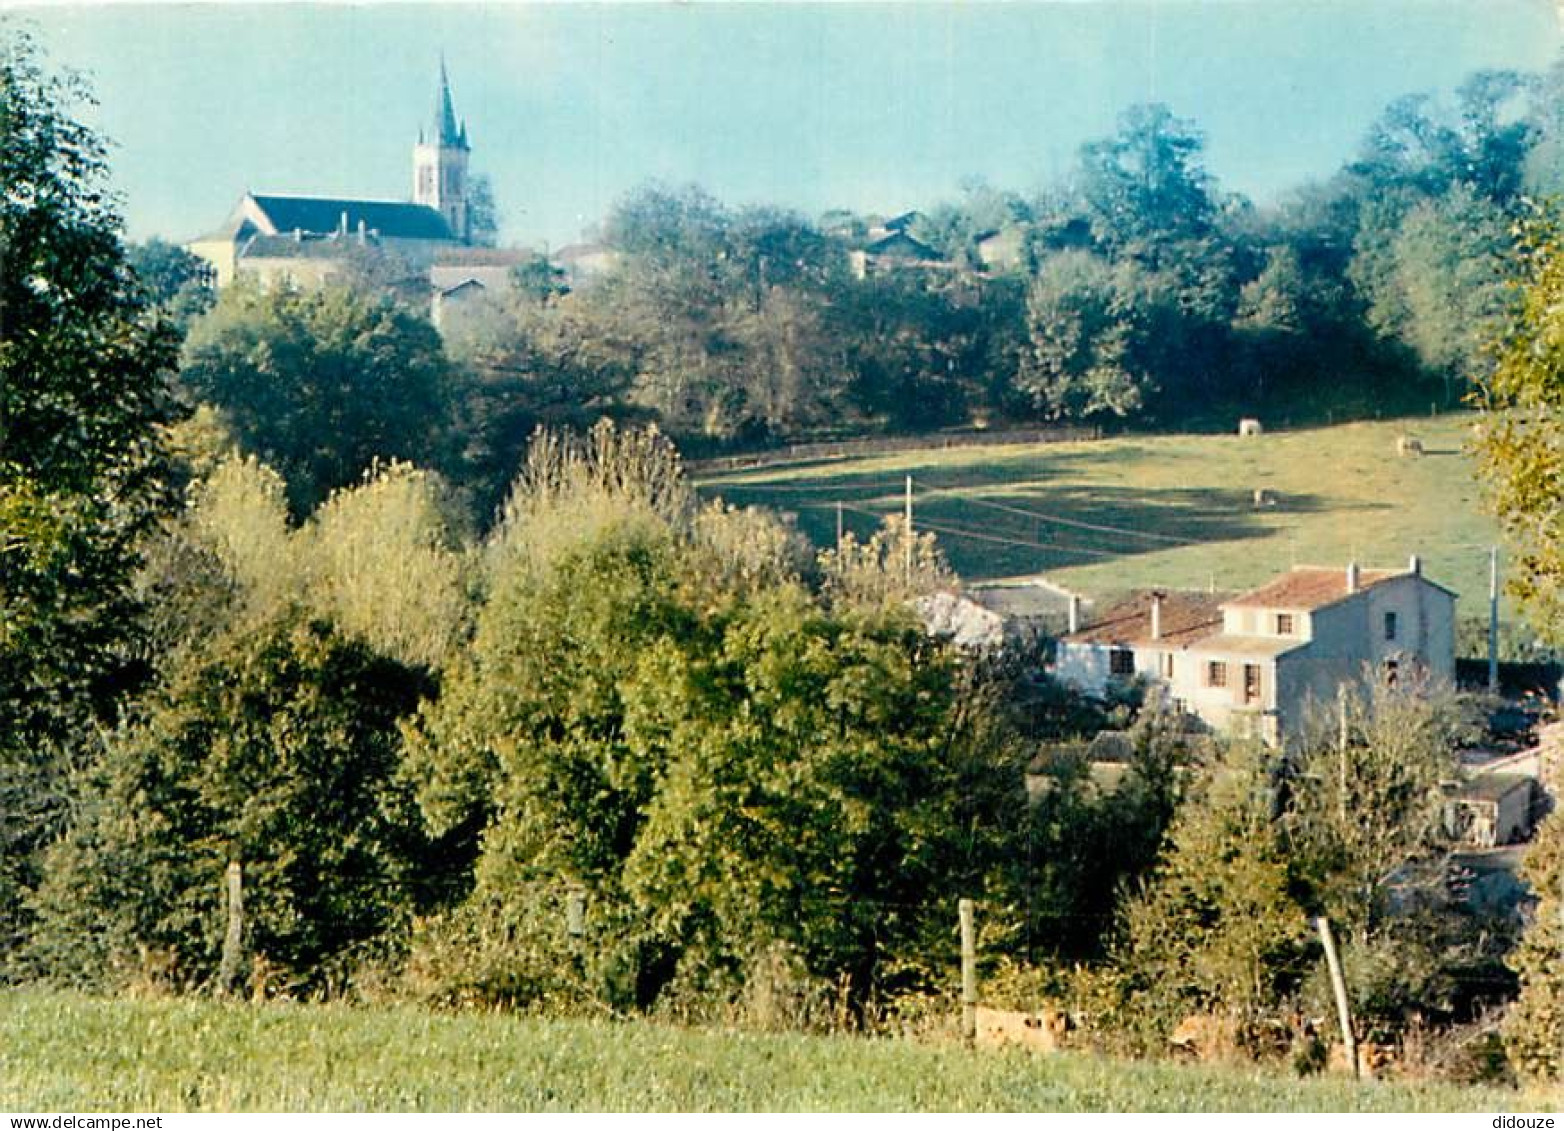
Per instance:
x=874, y=107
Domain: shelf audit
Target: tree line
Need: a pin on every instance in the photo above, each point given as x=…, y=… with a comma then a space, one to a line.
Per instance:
x=616, y=750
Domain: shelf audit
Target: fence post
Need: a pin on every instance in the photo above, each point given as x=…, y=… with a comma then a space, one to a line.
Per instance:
x=1339, y=985
x=233, y=941
x=968, y=972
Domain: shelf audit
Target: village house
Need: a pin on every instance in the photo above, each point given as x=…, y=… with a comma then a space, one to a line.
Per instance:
x=1250, y=664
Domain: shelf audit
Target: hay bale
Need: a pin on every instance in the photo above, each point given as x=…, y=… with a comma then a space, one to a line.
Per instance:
x=1409, y=446
x=1249, y=426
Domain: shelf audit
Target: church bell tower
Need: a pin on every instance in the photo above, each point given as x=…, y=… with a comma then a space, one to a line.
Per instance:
x=440, y=164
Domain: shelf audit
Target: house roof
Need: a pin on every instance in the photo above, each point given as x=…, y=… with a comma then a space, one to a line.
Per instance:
x=1309, y=587
x=286, y=247
x=901, y=245
x=1186, y=617
x=1490, y=787
x=1223, y=644
x=1022, y=600
x=391, y=219
x=482, y=256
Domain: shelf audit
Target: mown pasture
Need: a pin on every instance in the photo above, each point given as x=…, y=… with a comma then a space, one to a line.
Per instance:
x=1176, y=511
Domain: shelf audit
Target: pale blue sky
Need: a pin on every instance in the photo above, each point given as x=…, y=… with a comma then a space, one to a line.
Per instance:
x=874, y=107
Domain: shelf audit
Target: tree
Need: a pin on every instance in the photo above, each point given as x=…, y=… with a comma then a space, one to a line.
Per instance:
x=321, y=383
x=1522, y=461
x=483, y=215
x=84, y=371
x=1218, y=927
x=1517, y=440
x=177, y=281
x=1387, y=751
x=659, y=723
x=1085, y=356
x=276, y=746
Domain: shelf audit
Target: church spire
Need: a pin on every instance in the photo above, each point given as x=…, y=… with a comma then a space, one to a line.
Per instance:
x=446, y=131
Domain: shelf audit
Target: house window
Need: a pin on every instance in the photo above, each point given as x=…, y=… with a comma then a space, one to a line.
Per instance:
x=1216, y=674
x=1390, y=626
x=1121, y=661
x=1392, y=671
x=1284, y=624
x=1251, y=683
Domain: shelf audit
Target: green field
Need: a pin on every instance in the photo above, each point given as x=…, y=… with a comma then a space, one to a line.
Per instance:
x=62, y=1052
x=1180, y=509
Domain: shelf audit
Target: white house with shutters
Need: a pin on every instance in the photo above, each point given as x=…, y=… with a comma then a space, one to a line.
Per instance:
x=1251, y=663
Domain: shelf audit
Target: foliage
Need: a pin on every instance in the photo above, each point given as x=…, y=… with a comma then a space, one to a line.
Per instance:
x=83, y=391
x=176, y=280
x=1534, y=1028
x=275, y=746
x=320, y=383
x=1517, y=444
x=386, y=564
x=1218, y=928
x=1397, y=748
x=657, y=716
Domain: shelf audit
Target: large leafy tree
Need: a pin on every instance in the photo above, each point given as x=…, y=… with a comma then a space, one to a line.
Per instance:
x=658, y=716
x=1518, y=439
x=275, y=746
x=321, y=383
x=83, y=390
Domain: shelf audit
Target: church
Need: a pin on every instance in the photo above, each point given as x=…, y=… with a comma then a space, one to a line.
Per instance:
x=304, y=241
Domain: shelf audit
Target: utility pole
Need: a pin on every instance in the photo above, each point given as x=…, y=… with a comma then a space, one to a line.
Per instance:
x=1339, y=987
x=1341, y=748
x=908, y=563
x=1493, y=619
x=838, y=527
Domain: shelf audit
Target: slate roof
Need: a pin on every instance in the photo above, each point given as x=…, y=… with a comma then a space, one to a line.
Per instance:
x=286, y=247
x=903, y=246
x=1310, y=587
x=318, y=215
x=1186, y=618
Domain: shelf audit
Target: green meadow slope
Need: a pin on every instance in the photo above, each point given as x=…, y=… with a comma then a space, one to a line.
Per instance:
x=62, y=1052
x=1177, y=511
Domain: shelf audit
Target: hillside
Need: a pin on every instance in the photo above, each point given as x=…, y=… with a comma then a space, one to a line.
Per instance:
x=62, y=1052
x=1177, y=511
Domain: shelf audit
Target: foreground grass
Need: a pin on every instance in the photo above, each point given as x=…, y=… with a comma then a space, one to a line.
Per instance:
x=1342, y=493
x=62, y=1052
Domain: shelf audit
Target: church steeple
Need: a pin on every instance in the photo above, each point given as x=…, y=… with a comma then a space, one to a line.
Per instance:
x=446, y=131
x=440, y=162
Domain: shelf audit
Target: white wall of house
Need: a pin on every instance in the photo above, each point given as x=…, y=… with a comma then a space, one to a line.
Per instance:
x=1083, y=666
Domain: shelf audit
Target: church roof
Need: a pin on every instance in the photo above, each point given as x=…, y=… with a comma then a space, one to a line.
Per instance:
x=320, y=215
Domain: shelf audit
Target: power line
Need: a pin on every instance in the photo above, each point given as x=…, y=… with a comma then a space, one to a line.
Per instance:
x=1061, y=521
x=957, y=532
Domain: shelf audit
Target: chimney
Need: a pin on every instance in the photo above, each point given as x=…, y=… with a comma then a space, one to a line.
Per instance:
x=1352, y=577
x=1156, y=616
x=1075, y=612
x=1415, y=566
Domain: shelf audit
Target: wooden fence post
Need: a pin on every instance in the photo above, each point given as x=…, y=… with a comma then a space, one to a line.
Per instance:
x=233, y=941
x=968, y=972
x=1339, y=985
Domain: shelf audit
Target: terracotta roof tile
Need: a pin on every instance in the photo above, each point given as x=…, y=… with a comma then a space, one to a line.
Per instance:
x=1186, y=617
x=1309, y=587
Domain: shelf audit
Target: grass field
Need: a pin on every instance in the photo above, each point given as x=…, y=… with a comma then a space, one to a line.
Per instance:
x=61, y=1052
x=1176, y=511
